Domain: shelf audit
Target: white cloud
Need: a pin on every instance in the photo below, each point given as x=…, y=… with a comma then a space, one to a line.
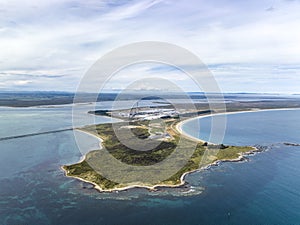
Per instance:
x=64, y=37
x=22, y=82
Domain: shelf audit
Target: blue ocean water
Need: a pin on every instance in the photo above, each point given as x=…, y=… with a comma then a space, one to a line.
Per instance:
x=249, y=128
x=33, y=189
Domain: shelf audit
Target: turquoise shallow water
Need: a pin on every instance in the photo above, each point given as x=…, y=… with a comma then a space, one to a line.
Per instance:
x=264, y=190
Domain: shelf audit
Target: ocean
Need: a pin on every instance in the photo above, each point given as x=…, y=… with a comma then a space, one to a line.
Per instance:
x=34, y=190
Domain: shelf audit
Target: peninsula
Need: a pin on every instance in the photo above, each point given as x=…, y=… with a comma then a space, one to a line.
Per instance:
x=204, y=154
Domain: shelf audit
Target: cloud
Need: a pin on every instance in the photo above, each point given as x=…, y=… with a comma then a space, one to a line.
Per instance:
x=24, y=74
x=53, y=43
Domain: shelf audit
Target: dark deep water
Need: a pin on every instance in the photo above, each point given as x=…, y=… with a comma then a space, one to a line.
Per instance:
x=264, y=190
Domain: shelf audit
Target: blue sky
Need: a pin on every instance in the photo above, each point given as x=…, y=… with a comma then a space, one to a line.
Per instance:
x=250, y=46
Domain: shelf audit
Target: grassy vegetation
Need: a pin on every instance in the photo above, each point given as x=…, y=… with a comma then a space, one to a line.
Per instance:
x=202, y=156
x=85, y=171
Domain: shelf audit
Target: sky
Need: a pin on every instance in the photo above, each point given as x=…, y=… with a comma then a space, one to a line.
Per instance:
x=249, y=46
